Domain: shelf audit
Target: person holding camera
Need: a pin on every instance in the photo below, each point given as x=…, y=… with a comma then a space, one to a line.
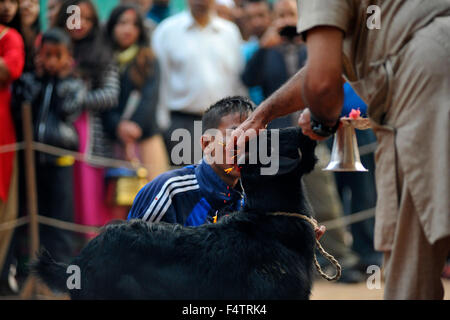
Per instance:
x=280, y=55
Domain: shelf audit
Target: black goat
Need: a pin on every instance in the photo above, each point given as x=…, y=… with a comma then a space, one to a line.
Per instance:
x=251, y=254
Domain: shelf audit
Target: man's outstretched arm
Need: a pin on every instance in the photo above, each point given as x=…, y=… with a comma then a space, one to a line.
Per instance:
x=322, y=87
x=317, y=86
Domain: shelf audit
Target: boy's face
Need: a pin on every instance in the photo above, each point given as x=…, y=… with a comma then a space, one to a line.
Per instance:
x=54, y=58
x=228, y=123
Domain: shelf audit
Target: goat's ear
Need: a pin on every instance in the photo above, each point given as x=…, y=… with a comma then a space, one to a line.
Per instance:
x=307, y=148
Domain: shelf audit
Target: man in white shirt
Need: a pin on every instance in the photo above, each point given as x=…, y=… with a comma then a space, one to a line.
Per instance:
x=200, y=58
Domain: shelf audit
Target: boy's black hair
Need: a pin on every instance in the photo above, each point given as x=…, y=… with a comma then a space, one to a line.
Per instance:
x=213, y=116
x=57, y=36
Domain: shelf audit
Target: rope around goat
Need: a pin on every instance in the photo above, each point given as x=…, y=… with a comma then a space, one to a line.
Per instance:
x=328, y=256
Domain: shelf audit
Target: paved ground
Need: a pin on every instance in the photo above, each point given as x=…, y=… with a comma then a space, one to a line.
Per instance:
x=324, y=290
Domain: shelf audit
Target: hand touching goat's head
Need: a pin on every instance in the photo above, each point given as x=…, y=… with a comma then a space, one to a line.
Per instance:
x=272, y=168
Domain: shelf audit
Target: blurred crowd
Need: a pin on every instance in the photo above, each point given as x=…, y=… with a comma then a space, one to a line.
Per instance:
x=118, y=88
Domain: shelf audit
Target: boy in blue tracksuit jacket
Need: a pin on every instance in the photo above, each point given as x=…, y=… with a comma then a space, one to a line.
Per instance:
x=197, y=194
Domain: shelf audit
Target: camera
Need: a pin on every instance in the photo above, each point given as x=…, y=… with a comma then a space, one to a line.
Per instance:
x=289, y=32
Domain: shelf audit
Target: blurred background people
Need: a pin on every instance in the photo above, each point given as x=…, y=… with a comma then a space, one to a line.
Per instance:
x=56, y=98
x=159, y=11
x=95, y=66
x=53, y=7
x=133, y=124
x=11, y=66
x=31, y=28
x=224, y=9
x=258, y=15
x=9, y=14
x=279, y=55
x=29, y=11
x=240, y=18
x=12, y=60
x=143, y=7
x=201, y=62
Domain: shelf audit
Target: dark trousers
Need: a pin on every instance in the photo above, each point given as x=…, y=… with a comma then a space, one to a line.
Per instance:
x=56, y=200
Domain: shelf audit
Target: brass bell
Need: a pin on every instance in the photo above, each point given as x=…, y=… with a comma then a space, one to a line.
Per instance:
x=345, y=153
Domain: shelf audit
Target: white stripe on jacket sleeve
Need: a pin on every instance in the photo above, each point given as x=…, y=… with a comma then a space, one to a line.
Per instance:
x=172, y=194
x=158, y=197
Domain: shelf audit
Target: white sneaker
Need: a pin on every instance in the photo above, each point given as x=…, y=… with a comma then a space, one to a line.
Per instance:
x=12, y=278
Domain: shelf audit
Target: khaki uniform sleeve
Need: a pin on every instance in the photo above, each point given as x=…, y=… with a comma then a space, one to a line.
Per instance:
x=314, y=13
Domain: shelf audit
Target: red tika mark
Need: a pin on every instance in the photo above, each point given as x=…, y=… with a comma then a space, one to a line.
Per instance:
x=354, y=114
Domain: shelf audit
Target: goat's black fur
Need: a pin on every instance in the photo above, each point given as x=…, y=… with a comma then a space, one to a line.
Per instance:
x=246, y=255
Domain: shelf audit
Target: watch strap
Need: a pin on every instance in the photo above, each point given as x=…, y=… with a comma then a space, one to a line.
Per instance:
x=321, y=129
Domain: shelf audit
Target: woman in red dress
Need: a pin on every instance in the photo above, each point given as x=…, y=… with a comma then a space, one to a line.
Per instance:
x=12, y=57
